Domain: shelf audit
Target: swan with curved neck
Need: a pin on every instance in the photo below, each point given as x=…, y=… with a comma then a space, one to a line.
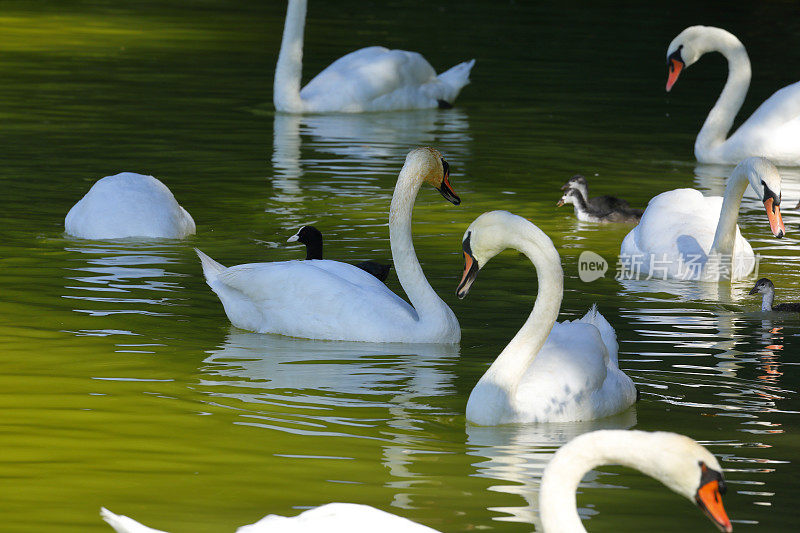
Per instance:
x=677, y=461
x=322, y=299
x=685, y=235
x=550, y=371
x=369, y=79
x=772, y=131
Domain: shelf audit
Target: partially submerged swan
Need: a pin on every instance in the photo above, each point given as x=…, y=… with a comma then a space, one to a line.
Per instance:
x=766, y=288
x=312, y=238
x=601, y=204
x=772, y=131
x=331, y=300
x=677, y=461
x=128, y=205
x=369, y=79
x=685, y=235
x=550, y=371
x=588, y=213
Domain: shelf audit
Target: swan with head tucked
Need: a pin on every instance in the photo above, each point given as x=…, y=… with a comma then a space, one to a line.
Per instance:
x=369, y=79
x=322, y=299
x=772, y=131
x=550, y=371
x=677, y=461
x=685, y=235
x=128, y=205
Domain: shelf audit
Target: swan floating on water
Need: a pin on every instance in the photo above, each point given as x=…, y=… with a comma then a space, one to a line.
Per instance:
x=128, y=205
x=322, y=299
x=685, y=235
x=679, y=462
x=370, y=79
x=550, y=371
x=772, y=131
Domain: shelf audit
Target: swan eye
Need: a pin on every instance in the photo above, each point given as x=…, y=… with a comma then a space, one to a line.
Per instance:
x=676, y=55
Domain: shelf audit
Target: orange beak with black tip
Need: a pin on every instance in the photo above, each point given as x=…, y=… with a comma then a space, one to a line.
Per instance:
x=446, y=190
x=774, y=216
x=709, y=499
x=675, y=66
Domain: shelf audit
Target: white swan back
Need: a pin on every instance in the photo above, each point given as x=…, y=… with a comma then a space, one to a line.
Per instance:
x=128, y=205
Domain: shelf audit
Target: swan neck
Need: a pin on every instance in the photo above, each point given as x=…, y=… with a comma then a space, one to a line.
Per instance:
x=720, y=119
x=288, y=72
x=509, y=368
x=557, y=502
x=422, y=296
x=725, y=236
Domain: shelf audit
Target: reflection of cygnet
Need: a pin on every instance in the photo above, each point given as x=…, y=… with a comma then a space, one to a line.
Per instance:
x=128, y=205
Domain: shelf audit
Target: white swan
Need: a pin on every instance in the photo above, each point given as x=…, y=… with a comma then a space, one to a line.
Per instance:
x=369, y=79
x=128, y=205
x=773, y=131
x=550, y=371
x=322, y=299
x=677, y=461
x=685, y=235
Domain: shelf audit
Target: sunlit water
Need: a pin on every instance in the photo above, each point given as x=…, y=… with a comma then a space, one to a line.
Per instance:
x=124, y=385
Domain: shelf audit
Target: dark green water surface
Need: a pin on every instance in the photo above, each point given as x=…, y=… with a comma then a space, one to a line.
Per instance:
x=123, y=384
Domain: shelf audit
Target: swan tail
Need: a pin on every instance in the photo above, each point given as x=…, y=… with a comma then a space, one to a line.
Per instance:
x=211, y=268
x=456, y=78
x=607, y=333
x=123, y=524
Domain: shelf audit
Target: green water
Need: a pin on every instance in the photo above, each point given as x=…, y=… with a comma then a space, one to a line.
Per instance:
x=123, y=384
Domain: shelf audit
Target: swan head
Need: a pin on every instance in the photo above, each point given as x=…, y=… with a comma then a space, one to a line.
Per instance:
x=306, y=235
x=690, y=470
x=688, y=47
x=572, y=196
x=427, y=164
x=765, y=180
x=482, y=241
x=763, y=286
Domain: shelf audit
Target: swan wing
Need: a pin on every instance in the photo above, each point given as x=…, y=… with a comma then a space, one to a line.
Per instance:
x=337, y=518
x=776, y=111
x=676, y=226
x=359, y=78
x=607, y=333
x=312, y=299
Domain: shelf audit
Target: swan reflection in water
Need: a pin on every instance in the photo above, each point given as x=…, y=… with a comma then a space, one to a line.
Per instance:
x=123, y=277
x=339, y=145
x=518, y=454
x=284, y=371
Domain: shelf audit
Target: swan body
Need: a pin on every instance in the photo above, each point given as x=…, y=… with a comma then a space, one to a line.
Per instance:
x=312, y=238
x=322, y=299
x=679, y=462
x=766, y=288
x=588, y=213
x=772, y=131
x=128, y=205
x=369, y=79
x=550, y=371
x=685, y=235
